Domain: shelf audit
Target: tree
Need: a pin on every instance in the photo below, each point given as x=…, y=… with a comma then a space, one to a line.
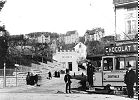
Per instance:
x=2, y=2
x=3, y=45
x=82, y=39
x=94, y=47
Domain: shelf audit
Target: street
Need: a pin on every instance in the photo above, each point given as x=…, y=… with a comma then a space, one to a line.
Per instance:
x=53, y=89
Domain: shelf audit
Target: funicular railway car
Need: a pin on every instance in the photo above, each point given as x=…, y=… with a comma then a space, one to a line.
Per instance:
x=113, y=65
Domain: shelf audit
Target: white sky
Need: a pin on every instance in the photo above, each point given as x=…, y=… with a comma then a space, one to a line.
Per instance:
x=25, y=16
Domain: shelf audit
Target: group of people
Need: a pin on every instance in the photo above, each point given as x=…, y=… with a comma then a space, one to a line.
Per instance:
x=32, y=79
x=57, y=74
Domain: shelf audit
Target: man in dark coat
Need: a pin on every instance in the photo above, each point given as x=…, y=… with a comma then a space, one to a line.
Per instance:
x=90, y=72
x=49, y=75
x=32, y=79
x=129, y=80
x=67, y=79
x=36, y=80
x=28, y=79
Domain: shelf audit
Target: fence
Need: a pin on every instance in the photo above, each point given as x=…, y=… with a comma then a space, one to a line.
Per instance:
x=13, y=77
x=17, y=76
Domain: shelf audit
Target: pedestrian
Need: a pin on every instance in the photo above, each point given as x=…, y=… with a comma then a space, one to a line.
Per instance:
x=28, y=78
x=55, y=73
x=67, y=79
x=129, y=80
x=32, y=79
x=58, y=74
x=74, y=74
x=36, y=80
x=49, y=75
x=82, y=74
x=90, y=74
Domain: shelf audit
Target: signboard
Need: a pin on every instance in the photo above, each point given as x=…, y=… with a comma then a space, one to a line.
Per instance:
x=113, y=76
x=122, y=48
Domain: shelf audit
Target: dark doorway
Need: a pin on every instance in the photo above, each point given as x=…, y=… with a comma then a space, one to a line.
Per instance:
x=70, y=66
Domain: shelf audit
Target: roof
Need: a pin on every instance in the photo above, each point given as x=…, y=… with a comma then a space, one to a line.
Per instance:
x=80, y=43
x=95, y=57
x=94, y=31
x=71, y=32
x=90, y=32
x=38, y=34
x=124, y=2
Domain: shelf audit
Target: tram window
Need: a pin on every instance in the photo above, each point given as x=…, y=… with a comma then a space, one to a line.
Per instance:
x=120, y=63
x=108, y=64
x=131, y=61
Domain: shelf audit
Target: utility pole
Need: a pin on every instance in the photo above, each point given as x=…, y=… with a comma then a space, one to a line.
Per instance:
x=42, y=47
x=115, y=22
x=4, y=82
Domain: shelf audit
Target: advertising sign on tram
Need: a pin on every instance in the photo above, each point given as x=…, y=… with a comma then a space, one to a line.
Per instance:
x=108, y=76
x=122, y=48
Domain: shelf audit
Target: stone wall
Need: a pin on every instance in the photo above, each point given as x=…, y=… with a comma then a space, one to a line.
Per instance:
x=14, y=80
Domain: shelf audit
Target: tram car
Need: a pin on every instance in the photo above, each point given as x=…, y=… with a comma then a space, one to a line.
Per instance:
x=113, y=65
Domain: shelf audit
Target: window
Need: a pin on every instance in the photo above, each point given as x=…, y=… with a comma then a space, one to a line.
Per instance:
x=132, y=9
x=131, y=61
x=108, y=64
x=129, y=27
x=120, y=63
x=131, y=20
x=134, y=27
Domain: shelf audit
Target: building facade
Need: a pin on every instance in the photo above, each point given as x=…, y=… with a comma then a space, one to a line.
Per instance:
x=71, y=37
x=68, y=59
x=92, y=35
x=80, y=48
x=126, y=18
x=43, y=39
x=39, y=38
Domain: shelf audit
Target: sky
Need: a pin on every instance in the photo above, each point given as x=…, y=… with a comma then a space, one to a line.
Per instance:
x=60, y=16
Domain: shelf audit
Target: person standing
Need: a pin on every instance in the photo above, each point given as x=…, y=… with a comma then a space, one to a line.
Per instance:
x=36, y=79
x=67, y=79
x=32, y=80
x=129, y=80
x=28, y=78
x=49, y=75
x=90, y=72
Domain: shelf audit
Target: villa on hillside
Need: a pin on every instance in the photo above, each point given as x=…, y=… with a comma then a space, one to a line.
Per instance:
x=39, y=38
x=69, y=38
